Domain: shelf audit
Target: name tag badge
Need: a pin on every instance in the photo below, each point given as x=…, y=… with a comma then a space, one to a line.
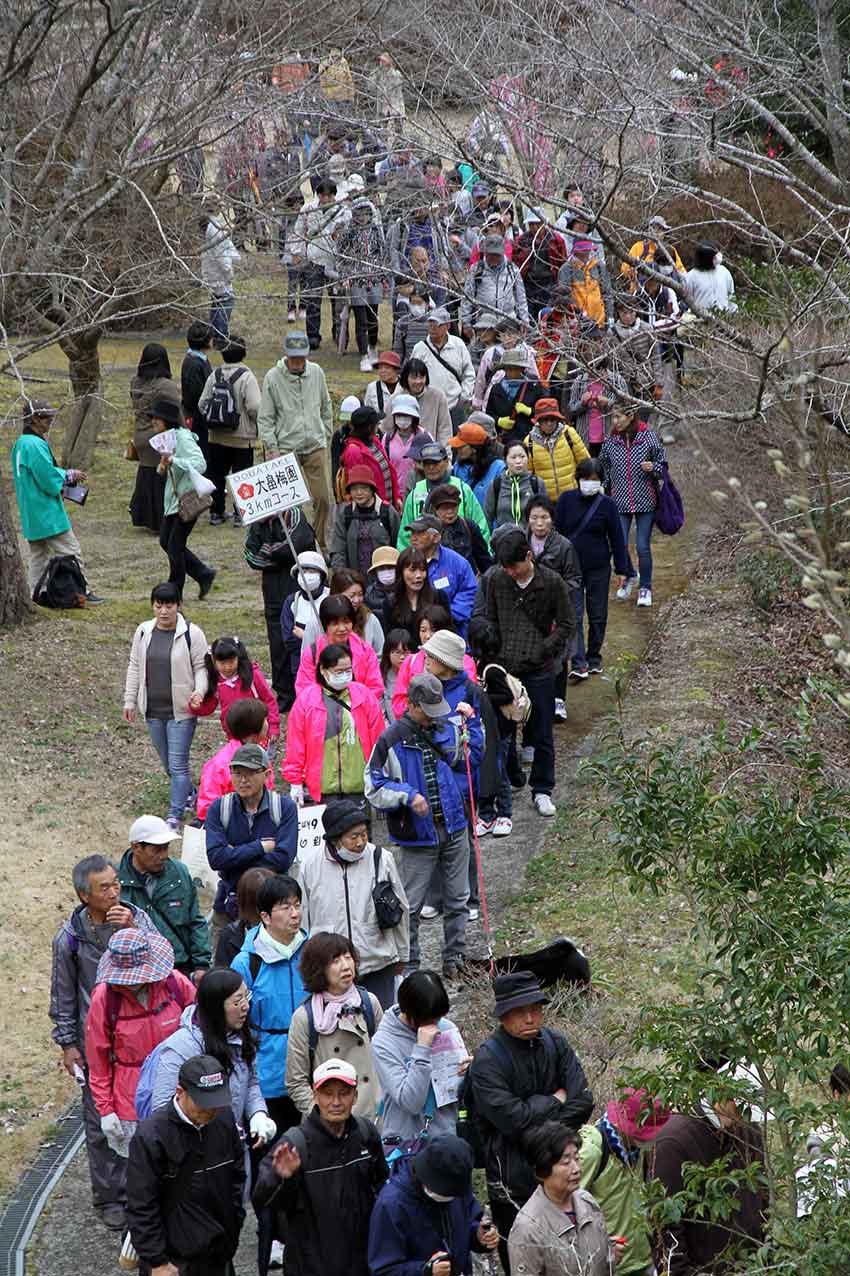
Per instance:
x=442, y=583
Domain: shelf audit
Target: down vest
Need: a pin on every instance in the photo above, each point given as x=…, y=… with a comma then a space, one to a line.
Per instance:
x=554, y=458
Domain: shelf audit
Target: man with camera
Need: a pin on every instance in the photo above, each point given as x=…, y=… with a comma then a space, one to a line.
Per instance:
x=39, y=486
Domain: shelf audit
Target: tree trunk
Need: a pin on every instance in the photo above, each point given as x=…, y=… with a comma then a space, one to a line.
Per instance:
x=14, y=591
x=83, y=425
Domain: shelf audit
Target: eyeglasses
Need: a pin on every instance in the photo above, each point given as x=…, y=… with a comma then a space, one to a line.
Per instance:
x=241, y=1002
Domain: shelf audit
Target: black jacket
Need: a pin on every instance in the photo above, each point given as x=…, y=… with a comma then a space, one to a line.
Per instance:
x=267, y=551
x=193, y=377
x=513, y=1085
x=184, y=1189
x=466, y=539
x=322, y=1213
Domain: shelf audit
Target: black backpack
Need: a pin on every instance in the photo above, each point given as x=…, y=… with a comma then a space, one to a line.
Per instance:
x=222, y=412
x=62, y=584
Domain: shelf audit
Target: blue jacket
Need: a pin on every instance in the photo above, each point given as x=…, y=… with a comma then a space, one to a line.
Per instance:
x=231, y=851
x=453, y=574
x=602, y=536
x=278, y=992
x=407, y=1227
x=395, y=774
x=480, y=489
x=458, y=688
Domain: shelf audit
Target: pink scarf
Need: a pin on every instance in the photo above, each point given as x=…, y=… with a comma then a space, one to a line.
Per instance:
x=327, y=1008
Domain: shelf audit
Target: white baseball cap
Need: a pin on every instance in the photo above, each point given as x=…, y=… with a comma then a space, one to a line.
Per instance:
x=335, y=1070
x=150, y=828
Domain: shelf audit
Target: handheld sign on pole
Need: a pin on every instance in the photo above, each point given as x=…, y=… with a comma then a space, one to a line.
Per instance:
x=268, y=488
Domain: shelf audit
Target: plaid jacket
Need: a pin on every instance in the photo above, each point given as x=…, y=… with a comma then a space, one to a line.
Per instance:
x=537, y=623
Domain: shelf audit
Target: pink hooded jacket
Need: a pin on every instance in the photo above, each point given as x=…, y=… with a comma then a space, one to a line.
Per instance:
x=305, y=734
x=364, y=664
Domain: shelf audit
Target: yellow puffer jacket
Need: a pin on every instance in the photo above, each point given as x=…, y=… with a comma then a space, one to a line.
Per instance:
x=554, y=459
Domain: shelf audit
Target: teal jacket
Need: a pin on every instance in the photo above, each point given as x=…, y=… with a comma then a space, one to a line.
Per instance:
x=38, y=487
x=177, y=481
x=415, y=504
x=173, y=909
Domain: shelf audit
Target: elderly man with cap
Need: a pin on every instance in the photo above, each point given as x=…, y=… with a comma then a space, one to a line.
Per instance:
x=436, y=466
x=512, y=393
x=321, y=1180
x=362, y=524
x=164, y=888
x=296, y=415
x=493, y=285
x=380, y=393
x=447, y=571
x=78, y=947
x=39, y=486
x=613, y=1158
x=522, y=1075
x=427, y=1218
x=448, y=362
x=186, y=1178
x=249, y=828
x=417, y=775
x=459, y=534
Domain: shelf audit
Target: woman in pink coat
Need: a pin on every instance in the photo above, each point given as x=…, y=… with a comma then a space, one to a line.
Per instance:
x=337, y=617
x=331, y=732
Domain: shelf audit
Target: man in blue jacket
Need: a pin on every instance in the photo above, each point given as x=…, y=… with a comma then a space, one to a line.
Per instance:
x=426, y=1218
x=249, y=828
x=417, y=774
x=447, y=570
x=38, y=486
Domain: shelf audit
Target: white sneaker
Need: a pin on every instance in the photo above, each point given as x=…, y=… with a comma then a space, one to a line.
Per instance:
x=560, y=710
x=427, y=913
x=624, y=593
x=526, y=755
x=483, y=827
x=290, y=318
x=543, y=804
x=472, y=914
x=373, y=355
x=644, y=598
x=276, y=1257
x=302, y=313
x=503, y=826
x=365, y=364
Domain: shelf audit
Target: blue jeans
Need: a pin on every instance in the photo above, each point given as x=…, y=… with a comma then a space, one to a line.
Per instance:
x=593, y=591
x=503, y=802
x=643, y=533
x=221, y=308
x=173, y=741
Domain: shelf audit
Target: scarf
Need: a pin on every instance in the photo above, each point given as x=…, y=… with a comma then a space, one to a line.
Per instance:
x=547, y=441
x=328, y=1009
x=627, y=1156
x=287, y=951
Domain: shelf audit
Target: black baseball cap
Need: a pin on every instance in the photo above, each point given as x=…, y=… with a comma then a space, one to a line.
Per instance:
x=204, y=1080
x=425, y=523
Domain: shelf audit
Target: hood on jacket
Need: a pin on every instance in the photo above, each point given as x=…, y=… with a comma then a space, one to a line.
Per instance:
x=404, y=1038
x=537, y=436
x=362, y=204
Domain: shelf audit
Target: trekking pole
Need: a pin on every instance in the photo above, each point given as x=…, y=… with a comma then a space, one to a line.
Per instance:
x=488, y=938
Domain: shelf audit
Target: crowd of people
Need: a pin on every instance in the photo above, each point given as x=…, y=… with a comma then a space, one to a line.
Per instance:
x=425, y=614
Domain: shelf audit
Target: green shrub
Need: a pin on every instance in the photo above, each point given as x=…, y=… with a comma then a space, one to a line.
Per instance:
x=768, y=575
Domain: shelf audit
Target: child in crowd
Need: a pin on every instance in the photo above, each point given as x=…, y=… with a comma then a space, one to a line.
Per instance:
x=396, y=647
x=245, y=722
x=232, y=675
x=311, y=575
x=412, y=323
x=496, y=806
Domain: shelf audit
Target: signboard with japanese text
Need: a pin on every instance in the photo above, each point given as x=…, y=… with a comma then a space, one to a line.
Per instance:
x=311, y=832
x=269, y=488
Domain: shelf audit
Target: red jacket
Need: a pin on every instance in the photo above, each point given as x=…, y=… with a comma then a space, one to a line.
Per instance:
x=364, y=664
x=225, y=695
x=305, y=734
x=357, y=453
x=115, y=1052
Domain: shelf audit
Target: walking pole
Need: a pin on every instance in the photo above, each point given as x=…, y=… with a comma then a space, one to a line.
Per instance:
x=488, y=937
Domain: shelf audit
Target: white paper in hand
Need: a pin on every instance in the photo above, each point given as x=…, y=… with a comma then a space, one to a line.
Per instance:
x=165, y=442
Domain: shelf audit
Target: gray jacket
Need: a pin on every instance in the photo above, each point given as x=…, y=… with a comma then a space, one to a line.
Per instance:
x=498, y=291
x=379, y=525
x=560, y=556
x=404, y=1071
x=187, y=1041
x=338, y=898
x=636, y=355
x=76, y=955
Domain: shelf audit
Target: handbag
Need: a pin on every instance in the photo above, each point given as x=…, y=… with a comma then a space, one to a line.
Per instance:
x=388, y=908
x=190, y=505
x=669, y=507
x=130, y=453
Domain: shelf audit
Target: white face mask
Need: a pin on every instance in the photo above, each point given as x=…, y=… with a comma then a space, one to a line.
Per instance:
x=718, y=259
x=386, y=575
x=340, y=680
x=435, y=1196
x=418, y=311
x=349, y=857
x=311, y=580
x=403, y=422
x=590, y=487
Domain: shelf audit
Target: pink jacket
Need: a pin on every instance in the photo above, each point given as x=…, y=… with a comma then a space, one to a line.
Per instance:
x=413, y=664
x=224, y=696
x=215, y=778
x=305, y=734
x=364, y=663
x=115, y=1052
x=357, y=453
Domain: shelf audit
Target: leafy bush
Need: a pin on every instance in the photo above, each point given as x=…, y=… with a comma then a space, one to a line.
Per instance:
x=768, y=574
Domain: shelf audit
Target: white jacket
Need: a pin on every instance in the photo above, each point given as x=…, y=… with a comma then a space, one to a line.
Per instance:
x=455, y=353
x=313, y=234
x=218, y=257
x=188, y=670
x=326, y=884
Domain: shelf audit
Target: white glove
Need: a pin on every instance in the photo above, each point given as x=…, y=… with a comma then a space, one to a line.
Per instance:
x=118, y=1133
x=296, y=792
x=262, y=1127
x=111, y=1126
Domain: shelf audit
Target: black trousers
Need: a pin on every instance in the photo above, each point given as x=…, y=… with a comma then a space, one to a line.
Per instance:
x=314, y=283
x=503, y=1218
x=223, y=460
x=276, y=588
x=365, y=327
x=284, y=1114
x=173, y=536
x=196, y=1267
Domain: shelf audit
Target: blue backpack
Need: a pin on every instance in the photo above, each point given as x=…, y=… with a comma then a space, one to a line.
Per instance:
x=147, y=1081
